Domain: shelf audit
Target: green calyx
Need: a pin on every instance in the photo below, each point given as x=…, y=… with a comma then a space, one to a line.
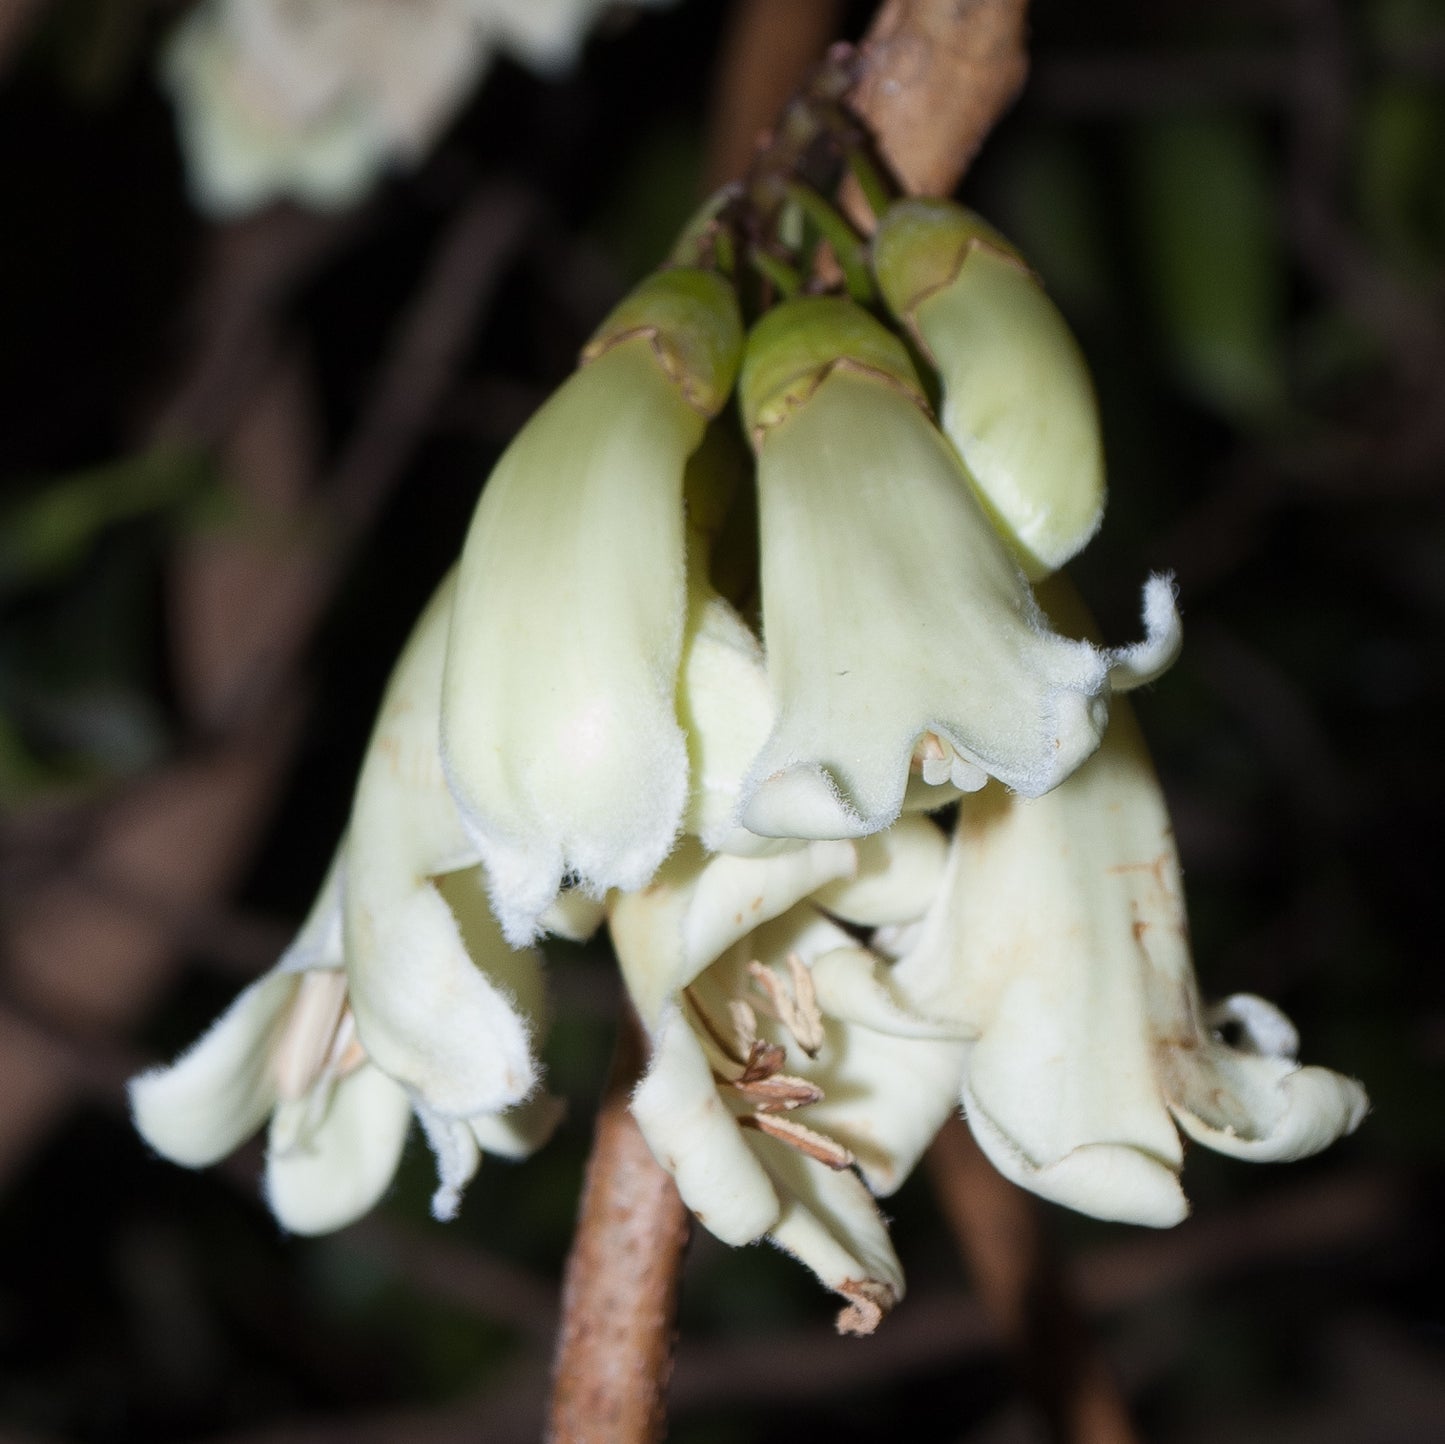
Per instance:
x=692, y=320
x=920, y=246
x=794, y=348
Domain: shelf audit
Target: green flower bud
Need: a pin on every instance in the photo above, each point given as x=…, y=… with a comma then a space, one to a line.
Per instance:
x=691, y=318
x=1017, y=399
x=795, y=347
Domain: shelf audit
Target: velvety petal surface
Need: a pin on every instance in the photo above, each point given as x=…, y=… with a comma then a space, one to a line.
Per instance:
x=560, y=728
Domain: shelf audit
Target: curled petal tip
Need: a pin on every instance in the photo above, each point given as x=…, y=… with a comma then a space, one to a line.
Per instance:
x=1145, y=661
x=1112, y=1181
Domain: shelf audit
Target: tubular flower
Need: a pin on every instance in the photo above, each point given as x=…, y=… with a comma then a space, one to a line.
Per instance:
x=287, y=1050
x=1059, y=941
x=560, y=733
x=399, y=996
x=779, y=1059
x=1017, y=399
x=895, y=622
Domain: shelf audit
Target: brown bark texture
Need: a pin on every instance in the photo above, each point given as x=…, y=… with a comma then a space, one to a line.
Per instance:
x=619, y=1297
x=937, y=75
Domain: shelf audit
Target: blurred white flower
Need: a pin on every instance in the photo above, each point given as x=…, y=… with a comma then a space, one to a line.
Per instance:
x=1059, y=941
x=313, y=100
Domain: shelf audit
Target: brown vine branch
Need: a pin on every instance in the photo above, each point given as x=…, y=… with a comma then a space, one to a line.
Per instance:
x=937, y=76
x=1024, y=1293
x=619, y=1296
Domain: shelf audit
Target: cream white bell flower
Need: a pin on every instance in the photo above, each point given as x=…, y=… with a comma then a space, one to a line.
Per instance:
x=287, y=1051
x=545, y=35
x=1060, y=942
x=781, y=1059
x=1018, y=402
x=314, y=100
x=560, y=732
x=899, y=632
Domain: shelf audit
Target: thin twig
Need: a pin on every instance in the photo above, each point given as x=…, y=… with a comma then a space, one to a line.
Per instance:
x=766, y=54
x=619, y=1296
x=1024, y=1293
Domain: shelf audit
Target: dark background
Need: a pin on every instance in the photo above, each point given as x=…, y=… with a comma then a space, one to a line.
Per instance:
x=1241, y=208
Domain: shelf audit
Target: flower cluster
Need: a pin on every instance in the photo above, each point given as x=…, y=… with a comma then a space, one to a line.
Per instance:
x=313, y=100
x=708, y=681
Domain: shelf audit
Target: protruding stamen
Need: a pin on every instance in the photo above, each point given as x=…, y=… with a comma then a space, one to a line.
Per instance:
x=745, y=1025
x=779, y=1092
x=805, y=1140
x=764, y=1060
x=933, y=759
x=796, y=1008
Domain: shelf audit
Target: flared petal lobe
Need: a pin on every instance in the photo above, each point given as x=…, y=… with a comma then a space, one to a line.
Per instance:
x=219, y=1092
x=560, y=732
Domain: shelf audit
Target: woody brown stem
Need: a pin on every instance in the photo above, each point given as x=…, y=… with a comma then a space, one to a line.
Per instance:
x=1001, y=1237
x=619, y=1295
x=937, y=75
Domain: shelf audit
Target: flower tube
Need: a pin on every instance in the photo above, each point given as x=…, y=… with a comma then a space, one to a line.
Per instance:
x=1060, y=942
x=560, y=733
x=892, y=612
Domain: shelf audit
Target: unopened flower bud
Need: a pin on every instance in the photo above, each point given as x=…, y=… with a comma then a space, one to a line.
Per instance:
x=1017, y=399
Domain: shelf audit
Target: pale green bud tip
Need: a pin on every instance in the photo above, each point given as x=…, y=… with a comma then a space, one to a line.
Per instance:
x=691, y=317
x=920, y=247
x=792, y=350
